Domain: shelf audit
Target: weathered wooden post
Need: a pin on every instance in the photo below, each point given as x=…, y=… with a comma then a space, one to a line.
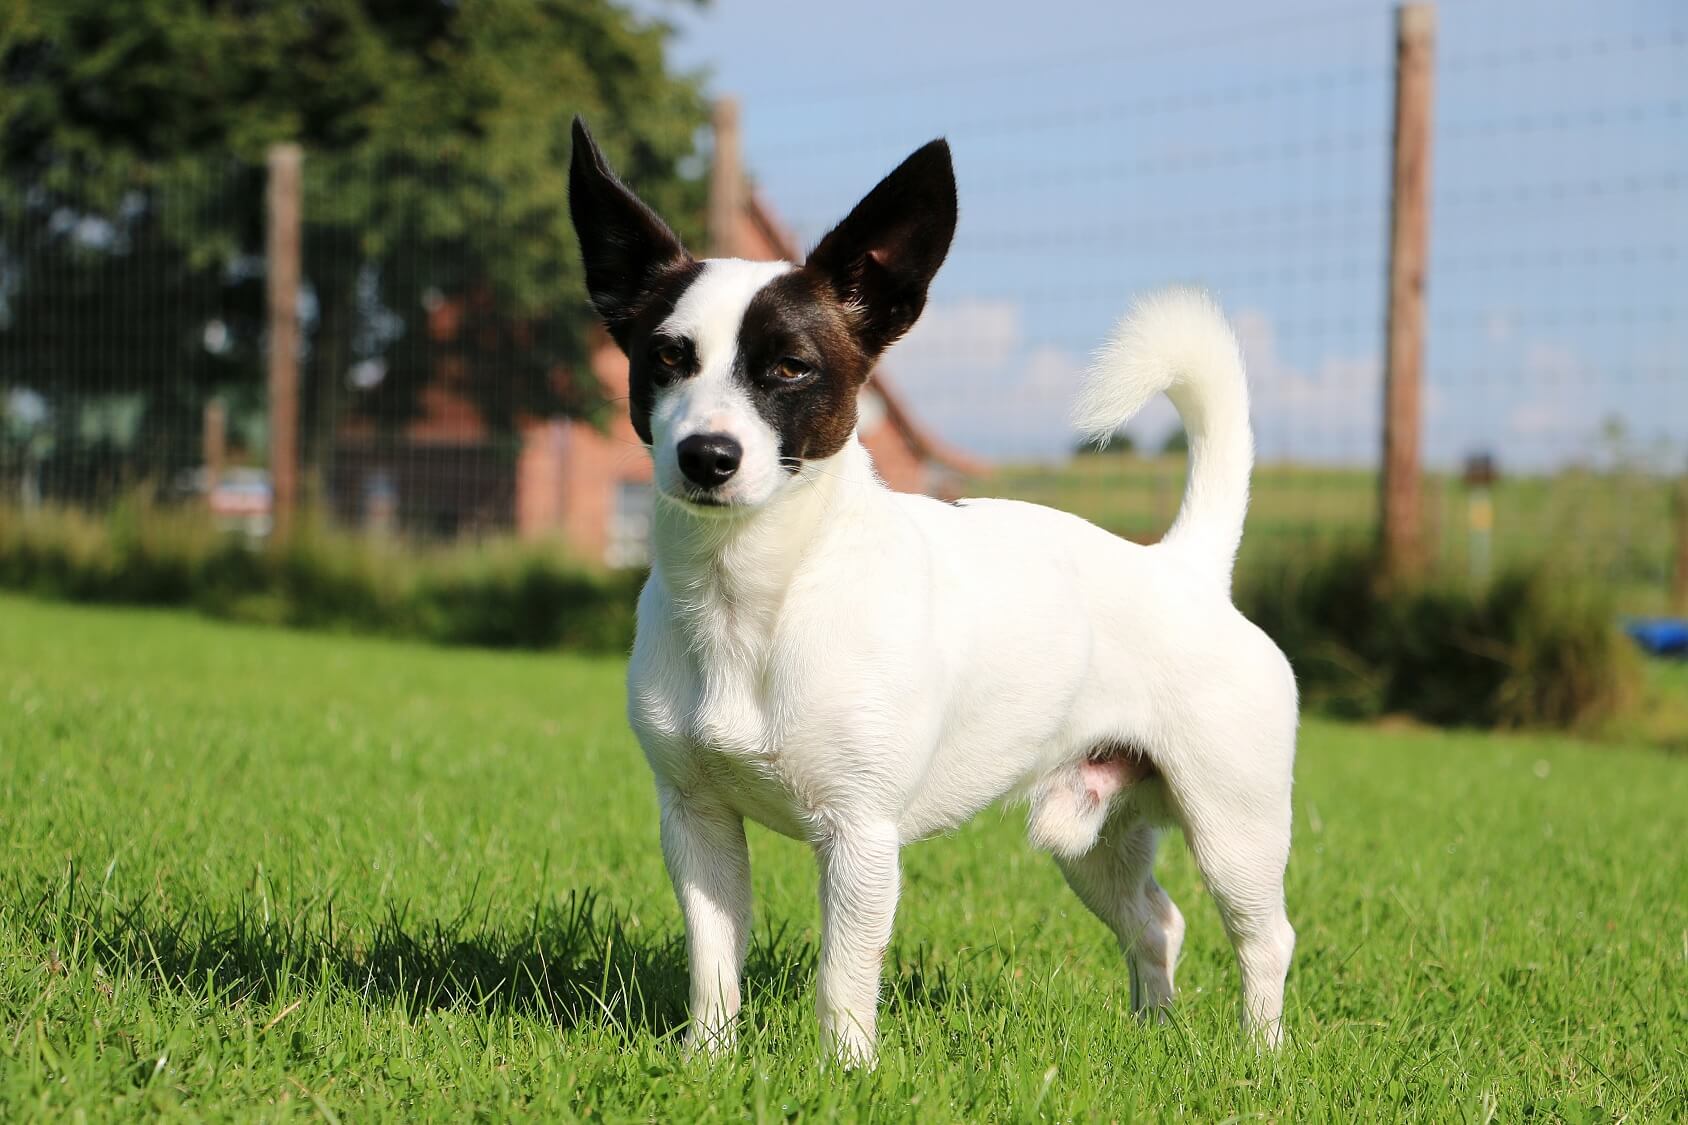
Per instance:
x=214, y=444
x=1679, y=564
x=726, y=181
x=1401, y=505
x=281, y=267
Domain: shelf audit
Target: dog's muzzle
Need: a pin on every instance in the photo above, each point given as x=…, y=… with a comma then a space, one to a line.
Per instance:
x=709, y=460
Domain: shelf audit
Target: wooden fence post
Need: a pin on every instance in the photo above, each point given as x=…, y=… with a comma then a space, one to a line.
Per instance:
x=1679, y=564
x=281, y=265
x=726, y=181
x=214, y=444
x=1401, y=505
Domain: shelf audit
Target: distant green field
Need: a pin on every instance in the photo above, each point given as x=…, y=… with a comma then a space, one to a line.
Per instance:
x=1615, y=527
x=255, y=874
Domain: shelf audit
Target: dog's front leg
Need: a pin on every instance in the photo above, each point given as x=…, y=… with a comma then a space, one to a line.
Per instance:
x=709, y=863
x=858, y=865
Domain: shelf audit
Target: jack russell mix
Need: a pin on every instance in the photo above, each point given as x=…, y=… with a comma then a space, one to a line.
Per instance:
x=858, y=669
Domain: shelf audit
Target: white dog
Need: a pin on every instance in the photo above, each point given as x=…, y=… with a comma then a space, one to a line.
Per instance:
x=859, y=669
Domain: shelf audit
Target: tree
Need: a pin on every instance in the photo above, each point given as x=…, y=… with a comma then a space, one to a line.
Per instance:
x=435, y=131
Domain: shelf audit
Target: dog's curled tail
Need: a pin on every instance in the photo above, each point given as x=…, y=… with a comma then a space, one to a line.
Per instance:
x=1178, y=341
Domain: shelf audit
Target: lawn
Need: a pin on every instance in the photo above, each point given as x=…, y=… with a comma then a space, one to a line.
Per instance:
x=258, y=874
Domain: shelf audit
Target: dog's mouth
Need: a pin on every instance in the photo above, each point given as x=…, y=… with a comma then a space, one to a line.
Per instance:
x=697, y=500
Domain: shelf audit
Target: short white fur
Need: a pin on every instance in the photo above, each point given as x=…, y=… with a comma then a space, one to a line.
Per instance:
x=712, y=401
x=859, y=669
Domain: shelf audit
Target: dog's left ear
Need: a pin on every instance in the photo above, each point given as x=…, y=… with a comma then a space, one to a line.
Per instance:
x=882, y=257
x=626, y=248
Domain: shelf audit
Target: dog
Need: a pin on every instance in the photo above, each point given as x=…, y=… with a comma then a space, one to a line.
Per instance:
x=859, y=669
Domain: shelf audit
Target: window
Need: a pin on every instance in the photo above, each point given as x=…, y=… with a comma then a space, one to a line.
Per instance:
x=630, y=526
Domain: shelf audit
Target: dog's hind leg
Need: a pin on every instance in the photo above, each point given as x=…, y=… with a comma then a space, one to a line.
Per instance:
x=1240, y=840
x=1115, y=879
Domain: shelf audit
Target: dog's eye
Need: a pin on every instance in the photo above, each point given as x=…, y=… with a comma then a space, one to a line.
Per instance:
x=670, y=356
x=790, y=369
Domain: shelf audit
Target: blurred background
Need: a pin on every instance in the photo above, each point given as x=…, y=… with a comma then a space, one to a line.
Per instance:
x=272, y=273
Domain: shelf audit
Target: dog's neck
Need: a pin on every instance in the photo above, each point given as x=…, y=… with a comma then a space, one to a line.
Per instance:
x=730, y=572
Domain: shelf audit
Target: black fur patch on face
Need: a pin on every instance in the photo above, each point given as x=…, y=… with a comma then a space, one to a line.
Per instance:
x=798, y=317
x=644, y=374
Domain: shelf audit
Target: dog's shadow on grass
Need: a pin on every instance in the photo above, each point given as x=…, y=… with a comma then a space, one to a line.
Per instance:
x=579, y=960
x=575, y=962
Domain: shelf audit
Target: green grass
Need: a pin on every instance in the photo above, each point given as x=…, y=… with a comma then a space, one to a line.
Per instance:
x=1614, y=526
x=260, y=874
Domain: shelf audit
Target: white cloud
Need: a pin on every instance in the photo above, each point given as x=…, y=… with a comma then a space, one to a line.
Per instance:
x=969, y=372
x=1328, y=412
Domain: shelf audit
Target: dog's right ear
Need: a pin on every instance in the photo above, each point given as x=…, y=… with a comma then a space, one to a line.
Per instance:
x=625, y=247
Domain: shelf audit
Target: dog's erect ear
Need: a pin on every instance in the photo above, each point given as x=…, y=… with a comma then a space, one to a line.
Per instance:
x=882, y=257
x=626, y=248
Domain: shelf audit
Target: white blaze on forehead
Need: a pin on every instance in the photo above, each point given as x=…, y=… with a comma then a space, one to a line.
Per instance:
x=709, y=312
x=711, y=401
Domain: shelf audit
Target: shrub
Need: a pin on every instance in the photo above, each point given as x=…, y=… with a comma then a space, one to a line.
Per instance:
x=1533, y=648
x=509, y=597
x=502, y=594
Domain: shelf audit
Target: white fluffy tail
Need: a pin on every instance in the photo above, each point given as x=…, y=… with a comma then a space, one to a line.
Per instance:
x=1178, y=341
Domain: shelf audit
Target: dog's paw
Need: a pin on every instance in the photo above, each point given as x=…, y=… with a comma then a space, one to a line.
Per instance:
x=849, y=1045
x=710, y=1040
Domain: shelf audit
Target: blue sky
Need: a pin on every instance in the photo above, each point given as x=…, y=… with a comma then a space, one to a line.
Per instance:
x=1103, y=149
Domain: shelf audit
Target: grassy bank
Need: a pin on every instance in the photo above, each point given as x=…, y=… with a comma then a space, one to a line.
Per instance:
x=1612, y=527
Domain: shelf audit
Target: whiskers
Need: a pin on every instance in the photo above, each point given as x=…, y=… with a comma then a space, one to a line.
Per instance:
x=813, y=469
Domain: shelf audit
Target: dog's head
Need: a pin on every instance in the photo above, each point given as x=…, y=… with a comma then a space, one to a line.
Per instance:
x=743, y=372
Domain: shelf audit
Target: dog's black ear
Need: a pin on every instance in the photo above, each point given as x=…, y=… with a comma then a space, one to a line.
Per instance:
x=882, y=257
x=625, y=247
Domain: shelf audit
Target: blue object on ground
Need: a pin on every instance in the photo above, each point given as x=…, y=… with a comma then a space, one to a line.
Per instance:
x=1661, y=636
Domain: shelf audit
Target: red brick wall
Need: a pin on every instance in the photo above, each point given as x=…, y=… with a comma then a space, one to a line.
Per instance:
x=571, y=470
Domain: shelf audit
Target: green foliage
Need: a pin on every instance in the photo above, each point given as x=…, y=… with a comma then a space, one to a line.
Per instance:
x=267, y=875
x=132, y=136
x=509, y=597
x=1532, y=649
x=506, y=595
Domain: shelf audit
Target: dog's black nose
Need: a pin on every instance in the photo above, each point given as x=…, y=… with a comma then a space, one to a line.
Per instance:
x=709, y=460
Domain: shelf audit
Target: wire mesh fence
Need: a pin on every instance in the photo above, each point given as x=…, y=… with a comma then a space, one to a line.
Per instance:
x=445, y=392
x=115, y=328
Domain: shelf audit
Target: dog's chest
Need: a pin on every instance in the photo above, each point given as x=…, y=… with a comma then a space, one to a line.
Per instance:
x=707, y=723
